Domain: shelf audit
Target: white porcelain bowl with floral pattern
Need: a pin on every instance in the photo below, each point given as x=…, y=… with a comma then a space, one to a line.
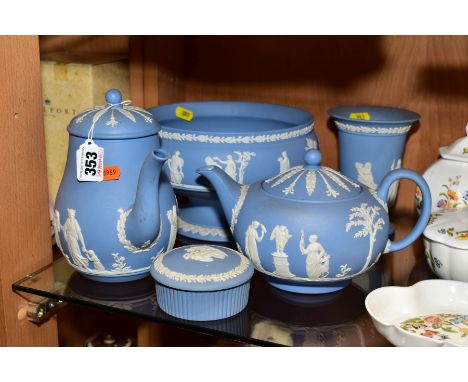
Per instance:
x=446, y=243
x=429, y=313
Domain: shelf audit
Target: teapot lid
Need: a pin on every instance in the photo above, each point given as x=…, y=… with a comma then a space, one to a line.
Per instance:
x=458, y=150
x=116, y=119
x=449, y=226
x=312, y=182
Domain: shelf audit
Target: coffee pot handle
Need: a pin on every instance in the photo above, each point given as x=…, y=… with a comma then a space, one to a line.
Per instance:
x=382, y=192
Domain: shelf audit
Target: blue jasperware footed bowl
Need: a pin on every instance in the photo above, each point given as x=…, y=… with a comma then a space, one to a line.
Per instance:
x=249, y=141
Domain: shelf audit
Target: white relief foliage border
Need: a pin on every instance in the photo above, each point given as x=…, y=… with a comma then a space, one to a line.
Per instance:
x=311, y=179
x=215, y=277
x=126, y=110
x=127, y=243
x=198, y=230
x=265, y=138
x=373, y=130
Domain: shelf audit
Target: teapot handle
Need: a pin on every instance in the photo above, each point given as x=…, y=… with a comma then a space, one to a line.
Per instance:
x=382, y=192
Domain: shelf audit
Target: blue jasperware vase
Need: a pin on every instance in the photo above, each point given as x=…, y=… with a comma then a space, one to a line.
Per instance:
x=371, y=142
x=202, y=282
x=312, y=229
x=248, y=140
x=111, y=230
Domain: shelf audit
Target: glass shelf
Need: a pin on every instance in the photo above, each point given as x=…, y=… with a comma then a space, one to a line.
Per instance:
x=272, y=317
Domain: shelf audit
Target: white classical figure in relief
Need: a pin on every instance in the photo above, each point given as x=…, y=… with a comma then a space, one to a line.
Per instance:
x=252, y=237
x=280, y=259
x=310, y=144
x=203, y=253
x=365, y=174
x=392, y=192
x=95, y=260
x=229, y=165
x=176, y=166
x=317, y=261
x=57, y=228
x=284, y=162
x=172, y=217
x=73, y=238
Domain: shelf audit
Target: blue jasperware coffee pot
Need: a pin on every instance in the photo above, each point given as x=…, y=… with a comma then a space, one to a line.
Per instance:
x=311, y=229
x=115, y=209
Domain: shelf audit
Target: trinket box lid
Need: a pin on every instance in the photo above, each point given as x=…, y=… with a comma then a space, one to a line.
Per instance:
x=458, y=150
x=202, y=268
x=312, y=182
x=449, y=227
x=116, y=119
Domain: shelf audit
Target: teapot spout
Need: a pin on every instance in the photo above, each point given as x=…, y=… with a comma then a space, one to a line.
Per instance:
x=143, y=222
x=227, y=189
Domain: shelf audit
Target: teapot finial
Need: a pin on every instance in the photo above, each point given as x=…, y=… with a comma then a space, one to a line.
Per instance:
x=114, y=97
x=312, y=159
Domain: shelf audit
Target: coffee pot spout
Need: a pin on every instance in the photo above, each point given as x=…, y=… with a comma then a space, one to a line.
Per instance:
x=143, y=222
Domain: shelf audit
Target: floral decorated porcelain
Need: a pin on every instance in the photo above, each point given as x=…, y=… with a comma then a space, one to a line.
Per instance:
x=371, y=142
x=446, y=243
x=312, y=229
x=448, y=177
x=429, y=313
x=111, y=230
x=249, y=141
x=202, y=282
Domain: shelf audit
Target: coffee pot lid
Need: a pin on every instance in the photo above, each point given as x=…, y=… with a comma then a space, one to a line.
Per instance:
x=458, y=150
x=116, y=119
x=312, y=182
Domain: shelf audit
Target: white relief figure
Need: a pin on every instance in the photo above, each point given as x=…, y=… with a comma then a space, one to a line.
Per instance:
x=251, y=239
x=176, y=165
x=284, y=162
x=172, y=217
x=310, y=144
x=367, y=217
x=317, y=261
x=280, y=259
x=365, y=174
x=57, y=228
x=392, y=192
x=95, y=260
x=74, y=237
x=229, y=165
x=203, y=253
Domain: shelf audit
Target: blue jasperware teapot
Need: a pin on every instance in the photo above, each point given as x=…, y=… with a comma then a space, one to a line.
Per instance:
x=311, y=229
x=115, y=209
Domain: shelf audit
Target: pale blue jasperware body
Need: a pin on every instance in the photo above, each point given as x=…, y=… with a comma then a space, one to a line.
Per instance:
x=202, y=282
x=111, y=230
x=370, y=148
x=249, y=140
x=311, y=229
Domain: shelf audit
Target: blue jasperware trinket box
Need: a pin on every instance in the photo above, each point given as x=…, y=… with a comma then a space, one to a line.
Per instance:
x=202, y=282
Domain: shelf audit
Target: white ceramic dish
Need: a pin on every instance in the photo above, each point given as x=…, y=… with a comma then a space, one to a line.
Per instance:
x=446, y=244
x=392, y=308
